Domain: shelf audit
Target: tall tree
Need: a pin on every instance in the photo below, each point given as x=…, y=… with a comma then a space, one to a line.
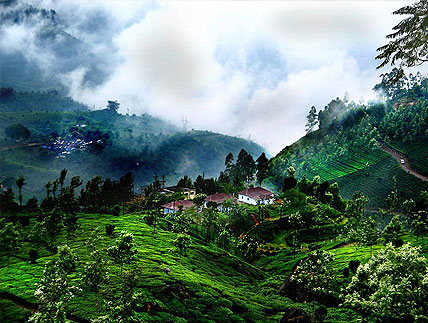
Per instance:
x=262, y=168
x=113, y=106
x=61, y=178
x=312, y=120
x=20, y=182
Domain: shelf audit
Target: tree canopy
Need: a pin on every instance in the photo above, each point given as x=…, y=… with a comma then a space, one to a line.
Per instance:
x=408, y=45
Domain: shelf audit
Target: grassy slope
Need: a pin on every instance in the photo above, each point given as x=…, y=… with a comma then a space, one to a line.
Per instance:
x=370, y=171
x=218, y=284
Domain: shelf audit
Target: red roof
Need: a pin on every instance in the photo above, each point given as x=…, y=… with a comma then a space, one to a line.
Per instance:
x=176, y=204
x=257, y=193
x=219, y=198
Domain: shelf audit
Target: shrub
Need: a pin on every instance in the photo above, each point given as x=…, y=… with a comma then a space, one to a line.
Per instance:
x=353, y=265
x=24, y=220
x=33, y=255
x=116, y=210
x=109, y=229
x=32, y=203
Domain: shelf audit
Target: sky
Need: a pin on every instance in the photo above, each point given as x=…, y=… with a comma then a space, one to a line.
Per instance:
x=251, y=69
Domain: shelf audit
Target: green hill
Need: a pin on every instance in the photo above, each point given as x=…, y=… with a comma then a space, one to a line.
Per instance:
x=144, y=145
x=345, y=149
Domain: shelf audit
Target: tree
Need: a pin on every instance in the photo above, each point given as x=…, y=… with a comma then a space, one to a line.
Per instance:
x=369, y=233
x=182, y=242
x=209, y=219
x=66, y=259
x=314, y=278
x=312, y=120
x=20, y=182
x=113, y=106
x=229, y=165
x=408, y=44
x=123, y=251
x=52, y=293
x=420, y=224
x=262, y=168
x=391, y=287
x=391, y=233
x=10, y=237
x=125, y=188
x=61, y=178
x=295, y=220
x=17, y=131
x=185, y=182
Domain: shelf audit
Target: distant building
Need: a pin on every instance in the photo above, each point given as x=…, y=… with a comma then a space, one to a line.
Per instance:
x=173, y=207
x=219, y=199
x=189, y=193
x=256, y=195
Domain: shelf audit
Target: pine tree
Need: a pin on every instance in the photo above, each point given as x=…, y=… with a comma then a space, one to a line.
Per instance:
x=312, y=120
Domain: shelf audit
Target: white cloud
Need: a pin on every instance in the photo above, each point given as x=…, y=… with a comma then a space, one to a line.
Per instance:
x=236, y=67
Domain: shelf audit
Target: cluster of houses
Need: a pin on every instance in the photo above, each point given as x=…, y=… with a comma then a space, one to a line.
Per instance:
x=65, y=146
x=251, y=195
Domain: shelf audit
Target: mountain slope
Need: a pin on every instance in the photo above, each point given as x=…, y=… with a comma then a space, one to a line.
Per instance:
x=346, y=148
x=144, y=145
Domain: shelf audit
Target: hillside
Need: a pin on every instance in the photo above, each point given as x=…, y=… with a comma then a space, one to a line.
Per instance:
x=346, y=148
x=144, y=145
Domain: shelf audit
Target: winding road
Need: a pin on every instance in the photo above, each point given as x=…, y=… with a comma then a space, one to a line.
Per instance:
x=21, y=145
x=398, y=156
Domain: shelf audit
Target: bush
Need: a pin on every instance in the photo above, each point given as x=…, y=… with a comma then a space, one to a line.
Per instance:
x=289, y=183
x=116, y=210
x=109, y=229
x=353, y=265
x=320, y=314
x=32, y=203
x=346, y=272
x=398, y=243
x=24, y=220
x=17, y=131
x=33, y=255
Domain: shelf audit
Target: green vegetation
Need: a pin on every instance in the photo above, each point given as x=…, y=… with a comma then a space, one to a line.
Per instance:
x=345, y=149
x=143, y=145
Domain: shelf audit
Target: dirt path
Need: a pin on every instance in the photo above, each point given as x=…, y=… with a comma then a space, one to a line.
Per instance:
x=22, y=145
x=400, y=156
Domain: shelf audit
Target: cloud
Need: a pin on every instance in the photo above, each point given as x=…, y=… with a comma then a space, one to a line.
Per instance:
x=241, y=68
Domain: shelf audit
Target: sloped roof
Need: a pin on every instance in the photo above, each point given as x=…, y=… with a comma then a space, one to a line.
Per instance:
x=174, y=205
x=219, y=198
x=257, y=193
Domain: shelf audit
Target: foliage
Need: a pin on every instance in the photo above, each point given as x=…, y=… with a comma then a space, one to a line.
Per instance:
x=10, y=237
x=313, y=277
x=53, y=294
x=123, y=252
x=392, y=285
x=408, y=44
x=391, y=233
x=17, y=131
x=182, y=242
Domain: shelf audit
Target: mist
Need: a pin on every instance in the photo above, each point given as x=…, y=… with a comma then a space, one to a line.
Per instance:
x=248, y=69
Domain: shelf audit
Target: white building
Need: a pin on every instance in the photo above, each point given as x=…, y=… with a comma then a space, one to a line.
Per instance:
x=255, y=196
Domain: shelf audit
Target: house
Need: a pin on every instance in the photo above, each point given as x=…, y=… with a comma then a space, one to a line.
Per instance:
x=174, y=206
x=219, y=199
x=256, y=195
x=189, y=193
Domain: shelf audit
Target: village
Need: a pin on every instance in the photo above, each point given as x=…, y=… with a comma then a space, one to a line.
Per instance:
x=74, y=141
x=250, y=196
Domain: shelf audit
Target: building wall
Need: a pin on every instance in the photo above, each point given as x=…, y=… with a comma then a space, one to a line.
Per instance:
x=246, y=199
